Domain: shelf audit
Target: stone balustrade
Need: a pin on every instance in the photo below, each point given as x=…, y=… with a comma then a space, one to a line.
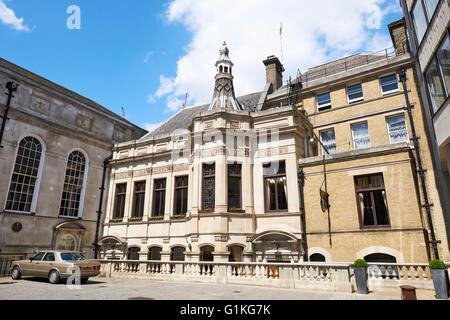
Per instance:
x=309, y=276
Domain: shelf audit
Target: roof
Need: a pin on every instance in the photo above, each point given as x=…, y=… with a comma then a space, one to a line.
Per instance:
x=183, y=119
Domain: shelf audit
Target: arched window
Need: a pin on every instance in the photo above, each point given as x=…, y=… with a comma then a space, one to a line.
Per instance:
x=382, y=271
x=133, y=253
x=177, y=254
x=25, y=175
x=154, y=254
x=317, y=257
x=73, y=185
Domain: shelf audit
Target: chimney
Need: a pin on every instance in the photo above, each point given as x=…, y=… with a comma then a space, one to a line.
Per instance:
x=274, y=72
x=397, y=29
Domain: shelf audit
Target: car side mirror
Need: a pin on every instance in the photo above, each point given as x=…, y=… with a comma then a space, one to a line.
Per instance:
x=31, y=259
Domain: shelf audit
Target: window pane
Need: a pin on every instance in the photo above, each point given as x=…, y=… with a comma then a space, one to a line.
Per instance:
x=361, y=137
x=234, y=193
x=329, y=141
x=324, y=99
x=355, y=92
x=281, y=189
x=435, y=86
x=271, y=194
x=444, y=59
x=155, y=254
x=274, y=168
x=397, y=129
x=431, y=7
x=73, y=185
x=389, y=84
x=381, y=208
x=420, y=21
x=209, y=188
x=365, y=203
x=177, y=254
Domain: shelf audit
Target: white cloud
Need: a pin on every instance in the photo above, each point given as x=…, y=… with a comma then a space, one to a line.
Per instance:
x=150, y=127
x=314, y=32
x=7, y=16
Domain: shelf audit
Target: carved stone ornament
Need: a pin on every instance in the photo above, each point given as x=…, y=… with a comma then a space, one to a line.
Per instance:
x=84, y=122
x=41, y=106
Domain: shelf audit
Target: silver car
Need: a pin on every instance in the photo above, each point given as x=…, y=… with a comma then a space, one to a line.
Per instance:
x=56, y=266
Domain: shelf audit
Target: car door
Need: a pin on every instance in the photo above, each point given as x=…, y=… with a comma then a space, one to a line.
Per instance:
x=30, y=268
x=47, y=264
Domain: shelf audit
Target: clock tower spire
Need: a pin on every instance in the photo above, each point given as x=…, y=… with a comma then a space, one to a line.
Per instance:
x=224, y=97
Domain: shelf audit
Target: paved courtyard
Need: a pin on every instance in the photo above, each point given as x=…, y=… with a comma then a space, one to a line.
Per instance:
x=120, y=289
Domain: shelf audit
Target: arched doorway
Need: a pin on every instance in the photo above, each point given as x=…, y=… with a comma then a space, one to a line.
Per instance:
x=382, y=270
x=277, y=247
x=112, y=248
x=235, y=253
x=206, y=255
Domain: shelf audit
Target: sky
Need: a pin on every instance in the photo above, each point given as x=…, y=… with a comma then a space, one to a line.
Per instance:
x=145, y=56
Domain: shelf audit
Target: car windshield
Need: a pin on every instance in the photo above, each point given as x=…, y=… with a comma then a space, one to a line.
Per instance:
x=73, y=257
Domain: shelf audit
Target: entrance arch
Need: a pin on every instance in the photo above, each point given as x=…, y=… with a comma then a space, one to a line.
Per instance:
x=277, y=246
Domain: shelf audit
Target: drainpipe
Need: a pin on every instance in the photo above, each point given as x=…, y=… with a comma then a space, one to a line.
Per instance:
x=421, y=170
x=301, y=183
x=100, y=205
x=12, y=87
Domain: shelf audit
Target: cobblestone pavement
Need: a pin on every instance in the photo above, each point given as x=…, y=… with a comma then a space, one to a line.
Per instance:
x=120, y=289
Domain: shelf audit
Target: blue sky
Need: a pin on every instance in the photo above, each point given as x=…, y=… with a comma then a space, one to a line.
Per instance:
x=145, y=55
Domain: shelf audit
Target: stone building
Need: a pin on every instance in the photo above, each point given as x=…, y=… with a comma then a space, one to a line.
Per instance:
x=321, y=168
x=51, y=162
x=428, y=24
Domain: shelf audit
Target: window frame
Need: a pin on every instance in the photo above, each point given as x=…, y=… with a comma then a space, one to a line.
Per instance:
x=37, y=183
x=83, y=186
x=162, y=204
x=436, y=59
x=266, y=196
x=184, y=192
x=406, y=127
x=350, y=101
x=139, y=194
x=239, y=176
x=390, y=91
x=119, y=195
x=326, y=106
x=353, y=134
x=371, y=190
x=321, y=140
x=205, y=176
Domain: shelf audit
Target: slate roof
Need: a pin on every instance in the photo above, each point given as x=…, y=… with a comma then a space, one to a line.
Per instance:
x=183, y=119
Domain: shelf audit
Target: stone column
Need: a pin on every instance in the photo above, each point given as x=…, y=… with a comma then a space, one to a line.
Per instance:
x=221, y=181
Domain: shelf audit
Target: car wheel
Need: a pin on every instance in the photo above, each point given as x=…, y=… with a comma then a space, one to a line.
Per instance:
x=53, y=277
x=16, y=273
x=84, y=280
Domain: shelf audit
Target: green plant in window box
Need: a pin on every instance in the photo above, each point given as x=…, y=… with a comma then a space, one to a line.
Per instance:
x=136, y=218
x=116, y=219
x=157, y=218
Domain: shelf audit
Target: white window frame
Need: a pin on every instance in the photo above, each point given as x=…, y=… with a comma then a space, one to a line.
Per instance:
x=319, y=107
x=320, y=136
x=357, y=99
x=353, y=136
x=381, y=86
x=83, y=189
x=38, y=178
x=406, y=126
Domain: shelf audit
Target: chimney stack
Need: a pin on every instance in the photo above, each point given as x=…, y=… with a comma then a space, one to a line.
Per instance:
x=274, y=72
x=397, y=29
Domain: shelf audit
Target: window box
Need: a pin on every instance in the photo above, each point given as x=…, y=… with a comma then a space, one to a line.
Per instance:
x=133, y=219
x=236, y=210
x=116, y=220
x=208, y=210
x=178, y=217
x=156, y=218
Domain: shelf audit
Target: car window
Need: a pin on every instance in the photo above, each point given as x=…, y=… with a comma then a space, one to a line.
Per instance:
x=49, y=257
x=73, y=257
x=39, y=256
